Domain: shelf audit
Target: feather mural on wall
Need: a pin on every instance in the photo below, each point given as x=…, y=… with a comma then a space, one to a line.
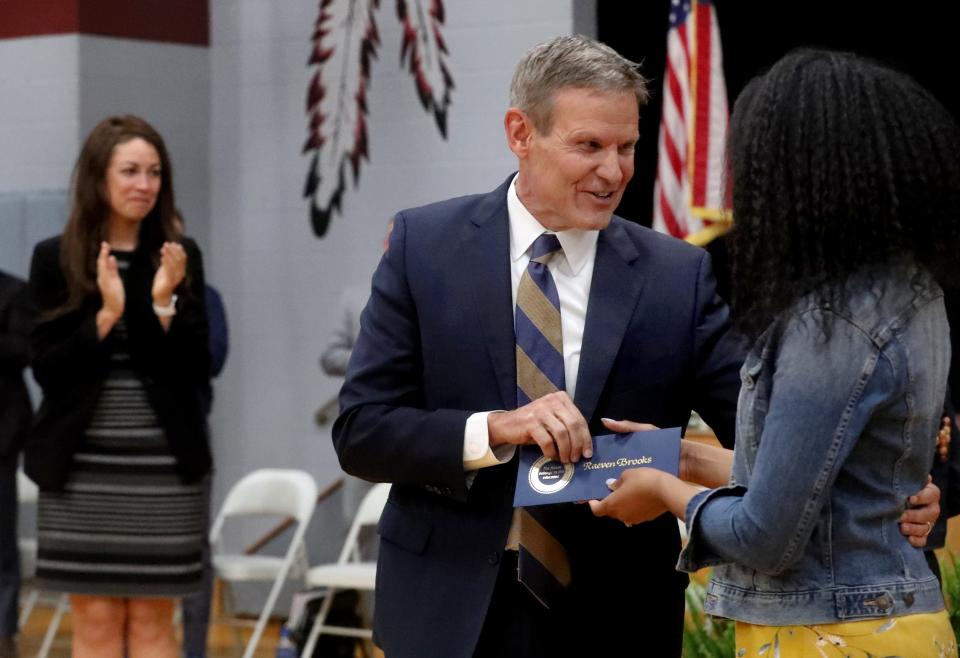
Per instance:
x=424, y=49
x=344, y=44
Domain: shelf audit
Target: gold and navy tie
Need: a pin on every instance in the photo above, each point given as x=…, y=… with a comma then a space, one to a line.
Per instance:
x=543, y=565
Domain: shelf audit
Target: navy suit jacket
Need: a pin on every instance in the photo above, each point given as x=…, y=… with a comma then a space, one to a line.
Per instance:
x=436, y=344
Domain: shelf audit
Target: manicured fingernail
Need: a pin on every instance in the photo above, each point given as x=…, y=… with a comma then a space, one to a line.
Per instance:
x=610, y=482
x=608, y=420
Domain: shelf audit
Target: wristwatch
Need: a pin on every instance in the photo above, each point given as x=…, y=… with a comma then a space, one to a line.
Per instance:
x=168, y=310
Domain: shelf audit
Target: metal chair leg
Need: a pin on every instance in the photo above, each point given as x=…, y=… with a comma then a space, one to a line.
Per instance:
x=62, y=604
x=229, y=612
x=29, y=602
x=318, y=622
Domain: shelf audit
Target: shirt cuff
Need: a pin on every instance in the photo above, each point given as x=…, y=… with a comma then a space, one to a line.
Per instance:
x=476, y=444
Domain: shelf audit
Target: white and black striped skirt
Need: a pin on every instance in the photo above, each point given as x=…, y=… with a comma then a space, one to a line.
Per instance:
x=124, y=524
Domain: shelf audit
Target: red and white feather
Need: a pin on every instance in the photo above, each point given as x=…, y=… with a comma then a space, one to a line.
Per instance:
x=424, y=50
x=345, y=39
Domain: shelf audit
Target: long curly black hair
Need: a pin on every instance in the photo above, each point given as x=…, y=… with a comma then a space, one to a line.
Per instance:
x=838, y=164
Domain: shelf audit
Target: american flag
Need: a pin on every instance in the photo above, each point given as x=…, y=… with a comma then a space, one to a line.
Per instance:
x=689, y=200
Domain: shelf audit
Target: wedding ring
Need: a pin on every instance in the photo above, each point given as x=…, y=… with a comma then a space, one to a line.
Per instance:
x=630, y=525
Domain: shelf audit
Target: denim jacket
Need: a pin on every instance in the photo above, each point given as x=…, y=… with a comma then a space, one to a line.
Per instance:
x=835, y=430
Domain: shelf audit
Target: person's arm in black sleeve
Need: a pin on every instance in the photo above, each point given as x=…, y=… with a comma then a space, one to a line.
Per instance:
x=64, y=346
x=14, y=324
x=180, y=354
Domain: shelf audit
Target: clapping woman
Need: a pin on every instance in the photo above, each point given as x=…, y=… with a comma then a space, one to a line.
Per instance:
x=120, y=444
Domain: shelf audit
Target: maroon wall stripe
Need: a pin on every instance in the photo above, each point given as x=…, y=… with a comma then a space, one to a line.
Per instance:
x=170, y=21
x=28, y=18
x=175, y=21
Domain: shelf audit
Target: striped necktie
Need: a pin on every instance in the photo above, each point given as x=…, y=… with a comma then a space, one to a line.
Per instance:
x=544, y=567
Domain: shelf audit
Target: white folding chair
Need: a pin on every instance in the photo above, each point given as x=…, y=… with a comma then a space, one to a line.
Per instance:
x=289, y=493
x=348, y=572
x=29, y=494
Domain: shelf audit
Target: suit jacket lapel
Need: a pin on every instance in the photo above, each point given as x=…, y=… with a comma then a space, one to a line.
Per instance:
x=485, y=250
x=614, y=293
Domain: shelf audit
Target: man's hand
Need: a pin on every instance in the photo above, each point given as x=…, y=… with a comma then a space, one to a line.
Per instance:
x=917, y=521
x=553, y=422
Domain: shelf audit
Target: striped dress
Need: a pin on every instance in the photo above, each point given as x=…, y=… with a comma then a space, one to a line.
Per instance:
x=124, y=523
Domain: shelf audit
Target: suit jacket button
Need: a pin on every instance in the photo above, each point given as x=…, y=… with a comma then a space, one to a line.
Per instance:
x=493, y=559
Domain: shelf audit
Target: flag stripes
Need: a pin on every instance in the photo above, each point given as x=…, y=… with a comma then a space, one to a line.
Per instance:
x=689, y=195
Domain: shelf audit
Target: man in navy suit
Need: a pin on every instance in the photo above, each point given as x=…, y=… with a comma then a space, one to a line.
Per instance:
x=644, y=337
x=430, y=397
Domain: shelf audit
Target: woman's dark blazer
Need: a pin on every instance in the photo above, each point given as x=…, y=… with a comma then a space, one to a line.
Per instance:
x=70, y=363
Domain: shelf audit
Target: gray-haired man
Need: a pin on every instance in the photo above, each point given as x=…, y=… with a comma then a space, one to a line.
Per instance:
x=436, y=400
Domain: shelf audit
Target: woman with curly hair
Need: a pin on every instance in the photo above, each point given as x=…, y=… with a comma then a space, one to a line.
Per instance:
x=846, y=199
x=119, y=445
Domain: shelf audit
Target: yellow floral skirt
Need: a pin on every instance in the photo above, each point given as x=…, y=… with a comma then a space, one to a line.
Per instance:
x=912, y=636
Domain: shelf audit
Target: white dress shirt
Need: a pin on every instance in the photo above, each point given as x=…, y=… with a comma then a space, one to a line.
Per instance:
x=572, y=272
